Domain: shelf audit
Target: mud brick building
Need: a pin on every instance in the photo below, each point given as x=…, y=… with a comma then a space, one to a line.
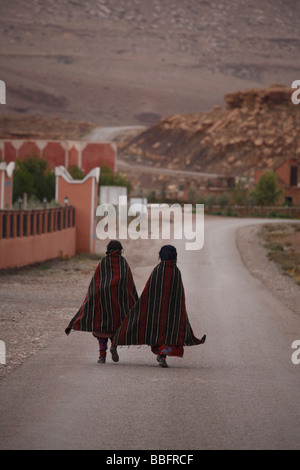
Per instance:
x=288, y=179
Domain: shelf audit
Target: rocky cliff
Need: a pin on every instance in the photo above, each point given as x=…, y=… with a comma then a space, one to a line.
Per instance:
x=257, y=129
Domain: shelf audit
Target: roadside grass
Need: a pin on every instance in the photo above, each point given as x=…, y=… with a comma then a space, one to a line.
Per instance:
x=283, y=244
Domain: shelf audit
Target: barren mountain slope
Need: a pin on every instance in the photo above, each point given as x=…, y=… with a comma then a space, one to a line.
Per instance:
x=258, y=128
x=125, y=62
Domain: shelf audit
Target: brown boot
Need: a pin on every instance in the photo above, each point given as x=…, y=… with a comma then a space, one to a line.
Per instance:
x=114, y=354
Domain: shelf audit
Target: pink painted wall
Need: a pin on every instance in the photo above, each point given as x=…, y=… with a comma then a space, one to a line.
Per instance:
x=27, y=148
x=86, y=155
x=83, y=195
x=17, y=252
x=10, y=152
x=55, y=154
x=92, y=154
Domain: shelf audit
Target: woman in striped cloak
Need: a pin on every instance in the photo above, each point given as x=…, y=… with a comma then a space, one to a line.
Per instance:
x=111, y=295
x=159, y=318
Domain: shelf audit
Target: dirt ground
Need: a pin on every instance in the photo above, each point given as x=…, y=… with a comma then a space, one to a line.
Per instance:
x=34, y=305
x=14, y=126
x=283, y=244
x=256, y=256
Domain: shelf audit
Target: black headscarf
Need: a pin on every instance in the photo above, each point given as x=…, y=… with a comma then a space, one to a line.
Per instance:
x=114, y=245
x=168, y=252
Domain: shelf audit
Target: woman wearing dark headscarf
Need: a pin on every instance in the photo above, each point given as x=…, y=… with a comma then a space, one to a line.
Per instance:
x=111, y=295
x=159, y=318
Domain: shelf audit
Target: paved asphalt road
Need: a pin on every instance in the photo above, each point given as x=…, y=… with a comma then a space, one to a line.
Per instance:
x=238, y=391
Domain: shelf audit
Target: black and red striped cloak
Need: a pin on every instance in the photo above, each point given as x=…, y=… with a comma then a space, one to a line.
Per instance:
x=159, y=317
x=111, y=295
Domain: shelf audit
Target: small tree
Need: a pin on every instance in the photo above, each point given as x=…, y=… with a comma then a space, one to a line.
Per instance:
x=109, y=178
x=76, y=172
x=224, y=200
x=193, y=195
x=239, y=194
x=210, y=201
x=266, y=191
x=34, y=177
x=152, y=198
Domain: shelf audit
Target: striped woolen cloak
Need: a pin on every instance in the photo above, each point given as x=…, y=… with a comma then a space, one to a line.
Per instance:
x=160, y=316
x=111, y=295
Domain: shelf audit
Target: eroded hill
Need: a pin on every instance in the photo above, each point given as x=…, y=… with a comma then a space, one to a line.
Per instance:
x=258, y=128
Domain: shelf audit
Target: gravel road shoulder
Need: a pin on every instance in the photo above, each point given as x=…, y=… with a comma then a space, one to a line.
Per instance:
x=37, y=302
x=255, y=258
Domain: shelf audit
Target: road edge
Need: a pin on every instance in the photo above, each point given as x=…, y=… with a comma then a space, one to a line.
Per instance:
x=255, y=259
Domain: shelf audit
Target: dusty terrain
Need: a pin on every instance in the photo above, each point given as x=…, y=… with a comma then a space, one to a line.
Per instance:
x=38, y=301
x=256, y=257
x=127, y=62
x=31, y=127
x=283, y=244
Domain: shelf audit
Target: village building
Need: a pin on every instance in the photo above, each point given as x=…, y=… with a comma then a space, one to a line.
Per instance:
x=288, y=179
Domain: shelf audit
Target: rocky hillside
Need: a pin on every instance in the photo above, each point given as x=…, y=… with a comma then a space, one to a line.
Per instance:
x=258, y=128
x=14, y=126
